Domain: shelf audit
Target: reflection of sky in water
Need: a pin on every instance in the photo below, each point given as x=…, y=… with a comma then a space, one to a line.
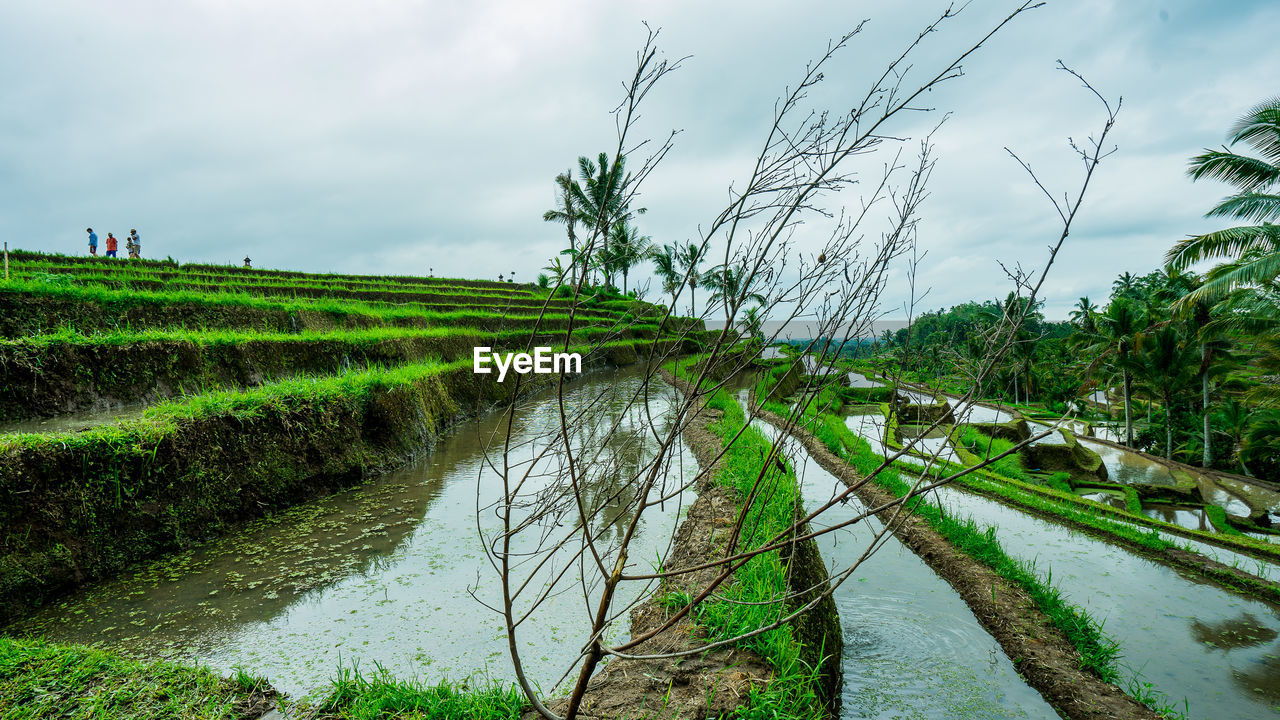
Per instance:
x=377, y=574
x=1158, y=616
x=73, y=422
x=1187, y=517
x=912, y=647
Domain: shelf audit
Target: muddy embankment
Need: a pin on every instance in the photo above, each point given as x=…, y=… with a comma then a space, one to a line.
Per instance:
x=44, y=379
x=720, y=681
x=85, y=506
x=1041, y=653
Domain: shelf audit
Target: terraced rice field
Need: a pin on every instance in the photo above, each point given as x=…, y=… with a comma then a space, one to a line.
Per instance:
x=145, y=406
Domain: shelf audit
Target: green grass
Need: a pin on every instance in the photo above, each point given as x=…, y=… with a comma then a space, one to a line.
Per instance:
x=440, y=294
x=1218, y=518
x=48, y=261
x=163, y=417
x=352, y=309
x=43, y=681
x=761, y=583
x=984, y=446
x=381, y=697
x=224, y=337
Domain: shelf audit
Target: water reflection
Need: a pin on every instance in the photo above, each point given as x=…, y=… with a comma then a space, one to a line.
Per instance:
x=383, y=573
x=1153, y=612
x=912, y=648
x=74, y=422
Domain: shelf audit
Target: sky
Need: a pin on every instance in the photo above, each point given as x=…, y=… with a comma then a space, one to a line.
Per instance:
x=397, y=136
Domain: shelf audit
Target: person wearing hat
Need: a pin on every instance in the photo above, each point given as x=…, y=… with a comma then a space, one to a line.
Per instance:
x=93, y=241
x=134, y=245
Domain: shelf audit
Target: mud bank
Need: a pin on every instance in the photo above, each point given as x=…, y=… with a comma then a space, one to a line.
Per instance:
x=48, y=378
x=718, y=682
x=81, y=507
x=1040, y=652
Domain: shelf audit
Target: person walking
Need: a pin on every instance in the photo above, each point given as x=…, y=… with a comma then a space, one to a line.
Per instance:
x=93, y=241
x=135, y=243
x=112, y=245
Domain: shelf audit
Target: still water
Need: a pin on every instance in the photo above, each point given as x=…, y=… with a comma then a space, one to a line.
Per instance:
x=912, y=648
x=390, y=573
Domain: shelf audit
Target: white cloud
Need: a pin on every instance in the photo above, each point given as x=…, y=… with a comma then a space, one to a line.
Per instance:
x=396, y=136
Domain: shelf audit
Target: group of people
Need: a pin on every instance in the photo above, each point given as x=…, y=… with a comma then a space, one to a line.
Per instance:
x=133, y=244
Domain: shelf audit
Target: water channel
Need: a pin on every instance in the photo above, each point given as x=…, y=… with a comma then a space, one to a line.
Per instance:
x=912, y=648
x=379, y=574
x=1214, y=653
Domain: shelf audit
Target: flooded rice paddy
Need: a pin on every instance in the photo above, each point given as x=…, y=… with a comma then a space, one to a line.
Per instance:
x=383, y=574
x=912, y=648
x=1190, y=639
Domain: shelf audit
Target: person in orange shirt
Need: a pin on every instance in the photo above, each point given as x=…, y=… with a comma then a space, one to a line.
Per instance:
x=112, y=244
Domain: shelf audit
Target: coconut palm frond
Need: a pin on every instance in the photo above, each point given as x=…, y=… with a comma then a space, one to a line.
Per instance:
x=1226, y=243
x=1260, y=128
x=1245, y=172
x=1259, y=207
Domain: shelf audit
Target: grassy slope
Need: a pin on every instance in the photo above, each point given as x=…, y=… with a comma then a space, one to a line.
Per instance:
x=38, y=680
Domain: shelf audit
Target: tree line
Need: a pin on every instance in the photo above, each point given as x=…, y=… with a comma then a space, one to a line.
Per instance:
x=1190, y=359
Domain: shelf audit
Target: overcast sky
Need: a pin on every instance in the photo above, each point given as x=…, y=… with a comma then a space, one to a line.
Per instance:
x=393, y=136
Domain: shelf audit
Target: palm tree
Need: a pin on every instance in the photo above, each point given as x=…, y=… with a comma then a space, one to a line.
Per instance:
x=1255, y=249
x=689, y=258
x=1118, y=327
x=601, y=197
x=752, y=324
x=1125, y=285
x=666, y=265
x=1233, y=418
x=628, y=249
x=568, y=213
x=730, y=286
x=1165, y=365
x=1083, y=316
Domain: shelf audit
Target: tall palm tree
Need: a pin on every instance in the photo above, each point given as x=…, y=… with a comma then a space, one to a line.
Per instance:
x=1165, y=366
x=690, y=257
x=1255, y=249
x=730, y=288
x=1125, y=285
x=1083, y=315
x=601, y=197
x=1118, y=328
x=752, y=324
x=567, y=213
x=628, y=249
x=1233, y=419
x=666, y=265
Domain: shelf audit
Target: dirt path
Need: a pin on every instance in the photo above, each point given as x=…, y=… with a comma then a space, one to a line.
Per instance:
x=1040, y=652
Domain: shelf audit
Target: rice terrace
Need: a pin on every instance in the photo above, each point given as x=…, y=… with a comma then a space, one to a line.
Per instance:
x=914, y=360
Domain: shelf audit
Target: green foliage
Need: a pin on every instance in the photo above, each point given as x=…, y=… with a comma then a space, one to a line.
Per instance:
x=39, y=680
x=984, y=446
x=381, y=697
x=1218, y=517
x=757, y=596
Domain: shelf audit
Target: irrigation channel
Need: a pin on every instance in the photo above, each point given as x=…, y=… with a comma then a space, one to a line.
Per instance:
x=1215, y=653
x=912, y=648
x=381, y=574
